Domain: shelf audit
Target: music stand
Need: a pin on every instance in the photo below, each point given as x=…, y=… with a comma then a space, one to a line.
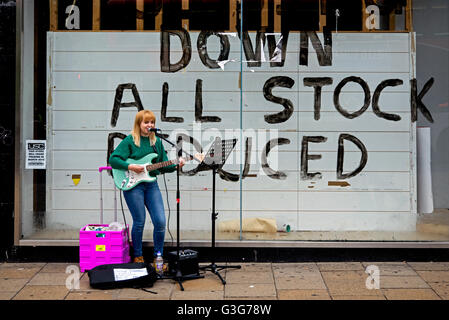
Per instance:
x=215, y=159
x=179, y=277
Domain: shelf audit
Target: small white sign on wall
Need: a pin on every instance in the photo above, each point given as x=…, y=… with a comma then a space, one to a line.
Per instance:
x=36, y=154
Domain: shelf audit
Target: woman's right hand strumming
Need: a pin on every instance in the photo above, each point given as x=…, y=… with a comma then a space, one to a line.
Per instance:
x=136, y=168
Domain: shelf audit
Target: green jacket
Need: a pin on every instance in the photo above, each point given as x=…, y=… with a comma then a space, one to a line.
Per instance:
x=128, y=150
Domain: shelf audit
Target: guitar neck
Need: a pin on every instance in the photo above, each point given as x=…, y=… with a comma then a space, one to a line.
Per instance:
x=159, y=165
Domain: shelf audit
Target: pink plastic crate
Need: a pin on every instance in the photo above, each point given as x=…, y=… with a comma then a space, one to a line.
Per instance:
x=102, y=247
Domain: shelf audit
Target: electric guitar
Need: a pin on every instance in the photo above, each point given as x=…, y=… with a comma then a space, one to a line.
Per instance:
x=128, y=179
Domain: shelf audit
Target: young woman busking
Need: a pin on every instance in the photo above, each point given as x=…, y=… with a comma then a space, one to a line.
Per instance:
x=139, y=144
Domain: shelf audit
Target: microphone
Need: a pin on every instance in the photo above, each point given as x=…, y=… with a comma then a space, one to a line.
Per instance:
x=154, y=130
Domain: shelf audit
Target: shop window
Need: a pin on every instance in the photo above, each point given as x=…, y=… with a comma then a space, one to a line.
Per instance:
x=300, y=15
x=74, y=15
x=209, y=15
x=344, y=15
x=150, y=10
x=118, y=15
x=387, y=10
x=171, y=15
x=251, y=15
x=259, y=15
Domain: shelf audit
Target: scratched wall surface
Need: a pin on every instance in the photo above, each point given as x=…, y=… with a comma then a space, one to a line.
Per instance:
x=324, y=120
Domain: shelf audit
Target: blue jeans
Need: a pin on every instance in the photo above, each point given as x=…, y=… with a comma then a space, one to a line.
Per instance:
x=146, y=194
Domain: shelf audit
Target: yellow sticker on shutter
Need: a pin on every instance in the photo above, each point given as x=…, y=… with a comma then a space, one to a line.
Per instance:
x=100, y=247
x=76, y=178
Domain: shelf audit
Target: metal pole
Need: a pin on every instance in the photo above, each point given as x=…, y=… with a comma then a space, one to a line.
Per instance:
x=101, y=199
x=213, y=210
x=177, y=212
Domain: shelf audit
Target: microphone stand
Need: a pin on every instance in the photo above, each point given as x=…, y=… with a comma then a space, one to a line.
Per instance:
x=179, y=277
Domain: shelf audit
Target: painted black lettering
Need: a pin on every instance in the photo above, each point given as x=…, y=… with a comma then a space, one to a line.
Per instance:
x=183, y=35
x=376, y=96
x=341, y=152
x=227, y=176
x=276, y=48
x=199, y=105
x=202, y=48
x=305, y=157
x=164, y=117
x=273, y=174
x=252, y=58
x=182, y=138
x=337, y=92
x=416, y=100
x=118, y=101
x=324, y=55
x=247, y=165
x=317, y=84
x=278, y=81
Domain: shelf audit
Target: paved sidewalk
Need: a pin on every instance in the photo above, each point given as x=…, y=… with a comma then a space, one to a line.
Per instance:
x=254, y=281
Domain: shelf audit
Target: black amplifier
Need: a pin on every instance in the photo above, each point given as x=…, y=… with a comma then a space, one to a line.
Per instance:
x=188, y=262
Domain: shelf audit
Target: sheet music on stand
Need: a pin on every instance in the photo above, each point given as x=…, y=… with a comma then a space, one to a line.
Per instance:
x=217, y=154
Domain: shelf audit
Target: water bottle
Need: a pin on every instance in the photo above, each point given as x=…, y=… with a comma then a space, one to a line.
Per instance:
x=159, y=264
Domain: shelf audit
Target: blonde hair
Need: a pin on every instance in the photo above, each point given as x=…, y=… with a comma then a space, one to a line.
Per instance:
x=144, y=115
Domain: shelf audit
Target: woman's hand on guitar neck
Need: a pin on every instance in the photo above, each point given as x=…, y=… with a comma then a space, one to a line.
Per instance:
x=199, y=156
x=136, y=168
x=181, y=162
